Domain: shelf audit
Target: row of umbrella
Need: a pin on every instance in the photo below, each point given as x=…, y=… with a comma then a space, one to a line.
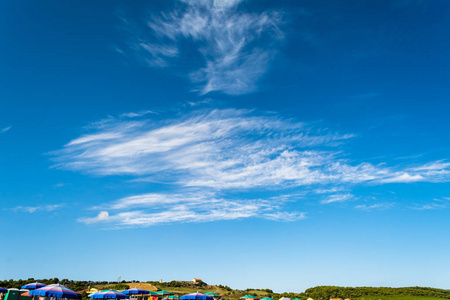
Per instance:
x=61, y=291
x=113, y=294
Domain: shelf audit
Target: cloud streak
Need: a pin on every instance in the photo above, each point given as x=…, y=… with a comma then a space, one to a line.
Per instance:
x=209, y=155
x=33, y=209
x=5, y=129
x=198, y=207
x=235, y=47
x=229, y=149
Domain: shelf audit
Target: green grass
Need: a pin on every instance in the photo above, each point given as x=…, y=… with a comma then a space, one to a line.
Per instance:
x=398, y=297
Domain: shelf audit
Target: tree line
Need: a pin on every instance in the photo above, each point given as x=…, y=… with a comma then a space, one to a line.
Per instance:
x=327, y=292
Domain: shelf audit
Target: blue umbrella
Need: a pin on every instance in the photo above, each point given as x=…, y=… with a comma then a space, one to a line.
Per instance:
x=55, y=290
x=33, y=286
x=135, y=291
x=196, y=296
x=3, y=291
x=109, y=294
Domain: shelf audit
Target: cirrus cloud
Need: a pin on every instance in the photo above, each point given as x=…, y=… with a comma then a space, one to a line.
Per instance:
x=235, y=47
x=210, y=154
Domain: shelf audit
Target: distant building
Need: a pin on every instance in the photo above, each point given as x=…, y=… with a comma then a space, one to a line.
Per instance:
x=160, y=281
x=196, y=280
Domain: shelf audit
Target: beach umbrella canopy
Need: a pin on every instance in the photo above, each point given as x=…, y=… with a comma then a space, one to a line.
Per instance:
x=164, y=293
x=151, y=293
x=268, y=298
x=55, y=290
x=109, y=294
x=296, y=299
x=135, y=291
x=3, y=291
x=212, y=294
x=285, y=298
x=196, y=296
x=33, y=286
x=249, y=297
x=173, y=297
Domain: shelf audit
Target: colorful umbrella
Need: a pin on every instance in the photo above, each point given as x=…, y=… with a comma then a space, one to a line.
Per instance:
x=196, y=296
x=173, y=297
x=109, y=294
x=268, y=298
x=33, y=286
x=248, y=297
x=285, y=298
x=212, y=294
x=296, y=299
x=164, y=293
x=3, y=291
x=135, y=291
x=55, y=290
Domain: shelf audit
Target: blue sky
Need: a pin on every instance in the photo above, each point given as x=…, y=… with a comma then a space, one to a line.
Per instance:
x=264, y=144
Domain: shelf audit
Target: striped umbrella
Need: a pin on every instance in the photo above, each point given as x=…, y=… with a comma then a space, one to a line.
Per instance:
x=55, y=290
x=196, y=296
x=136, y=291
x=109, y=294
x=3, y=291
x=33, y=286
x=248, y=297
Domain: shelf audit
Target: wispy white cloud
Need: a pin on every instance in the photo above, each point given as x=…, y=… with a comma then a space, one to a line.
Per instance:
x=5, y=129
x=403, y=177
x=437, y=203
x=210, y=154
x=196, y=207
x=375, y=206
x=236, y=46
x=429, y=206
x=226, y=149
x=330, y=190
x=137, y=114
x=338, y=198
x=33, y=209
x=285, y=216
